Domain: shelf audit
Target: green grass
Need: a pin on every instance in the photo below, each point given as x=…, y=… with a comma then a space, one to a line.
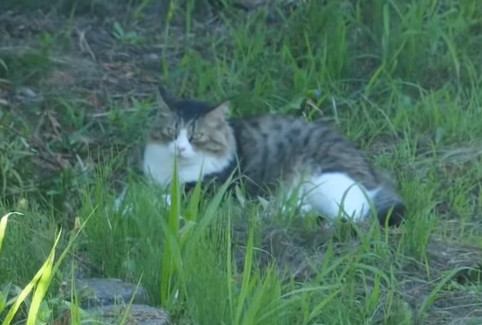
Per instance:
x=400, y=78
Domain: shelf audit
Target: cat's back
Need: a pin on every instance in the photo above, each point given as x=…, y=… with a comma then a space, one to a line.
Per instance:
x=278, y=135
x=273, y=146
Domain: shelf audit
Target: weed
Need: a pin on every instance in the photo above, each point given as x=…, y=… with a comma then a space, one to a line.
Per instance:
x=125, y=37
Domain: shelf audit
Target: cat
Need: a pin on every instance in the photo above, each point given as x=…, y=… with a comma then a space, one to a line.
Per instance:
x=329, y=174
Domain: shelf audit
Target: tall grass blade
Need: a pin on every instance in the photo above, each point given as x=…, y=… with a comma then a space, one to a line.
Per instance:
x=43, y=284
x=315, y=311
x=453, y=53
x=3, y=226
x=229, y=268
x=126, y=313
x=171, y=253
x=192, y=209
x=433, y=294
x=246, y=282
x=45, y=268
x=212, y=208
x=42, y=279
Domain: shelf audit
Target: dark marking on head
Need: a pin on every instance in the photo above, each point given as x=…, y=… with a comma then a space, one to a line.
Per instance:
x=190, y=110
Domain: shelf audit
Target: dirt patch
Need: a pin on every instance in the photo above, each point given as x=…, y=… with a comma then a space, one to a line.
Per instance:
x=439, y=289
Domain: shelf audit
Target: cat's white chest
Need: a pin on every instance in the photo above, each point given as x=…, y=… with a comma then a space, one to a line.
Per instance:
x=159, y=165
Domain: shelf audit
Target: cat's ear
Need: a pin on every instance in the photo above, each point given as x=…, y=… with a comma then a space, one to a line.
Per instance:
x=222, y=110
x=164, y=100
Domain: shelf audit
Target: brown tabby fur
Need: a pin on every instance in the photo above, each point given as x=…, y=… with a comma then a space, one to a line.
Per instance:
x=271, y=149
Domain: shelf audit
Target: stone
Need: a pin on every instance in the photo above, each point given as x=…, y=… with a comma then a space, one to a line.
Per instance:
x=136, y=315
x=95, y=292
x=28, y=96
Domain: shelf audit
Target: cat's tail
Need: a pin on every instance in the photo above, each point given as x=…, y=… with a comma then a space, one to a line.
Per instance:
x=390, y=207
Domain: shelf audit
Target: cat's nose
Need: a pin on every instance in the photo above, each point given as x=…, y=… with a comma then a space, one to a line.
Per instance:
x=181, y=148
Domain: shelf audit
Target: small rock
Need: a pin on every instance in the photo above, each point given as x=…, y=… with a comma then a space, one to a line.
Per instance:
x=153, y=57
x=27, y=95
x=137, y=315
x=27, y=92
x=95, y=292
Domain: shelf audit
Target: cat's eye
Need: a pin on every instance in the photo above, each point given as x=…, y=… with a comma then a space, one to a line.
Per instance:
x=170, y=131
x=198, y=136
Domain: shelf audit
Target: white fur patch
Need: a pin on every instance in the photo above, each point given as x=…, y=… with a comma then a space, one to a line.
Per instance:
x=336, y=194
x=192, y=165
x=182, y=147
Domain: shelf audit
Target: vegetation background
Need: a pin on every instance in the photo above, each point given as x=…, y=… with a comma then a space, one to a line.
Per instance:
x=402, y=78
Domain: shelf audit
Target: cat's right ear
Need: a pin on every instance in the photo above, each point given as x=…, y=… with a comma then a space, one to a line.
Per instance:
x=222, y=109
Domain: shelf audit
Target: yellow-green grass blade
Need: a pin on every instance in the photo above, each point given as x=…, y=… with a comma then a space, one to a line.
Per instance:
x=41, y=280
x=21, y=298
x=3, y=226
x=43, y=284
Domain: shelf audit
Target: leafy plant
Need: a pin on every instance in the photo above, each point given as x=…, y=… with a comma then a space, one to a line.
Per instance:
x=126, y=37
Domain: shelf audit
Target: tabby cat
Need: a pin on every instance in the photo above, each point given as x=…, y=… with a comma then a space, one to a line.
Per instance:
x=331, y=176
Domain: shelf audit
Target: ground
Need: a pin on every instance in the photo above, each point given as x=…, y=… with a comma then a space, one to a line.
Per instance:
x=402, y=79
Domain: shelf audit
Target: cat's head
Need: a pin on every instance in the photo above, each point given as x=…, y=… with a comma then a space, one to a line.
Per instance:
x=192, y=129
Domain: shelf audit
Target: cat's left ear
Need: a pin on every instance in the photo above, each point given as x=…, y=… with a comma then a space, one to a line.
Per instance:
x=164, y=101
x=222, y=110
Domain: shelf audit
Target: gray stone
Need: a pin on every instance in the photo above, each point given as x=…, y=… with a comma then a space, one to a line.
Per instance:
x=136, y=315
x=94, y=292
x=27, y=95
